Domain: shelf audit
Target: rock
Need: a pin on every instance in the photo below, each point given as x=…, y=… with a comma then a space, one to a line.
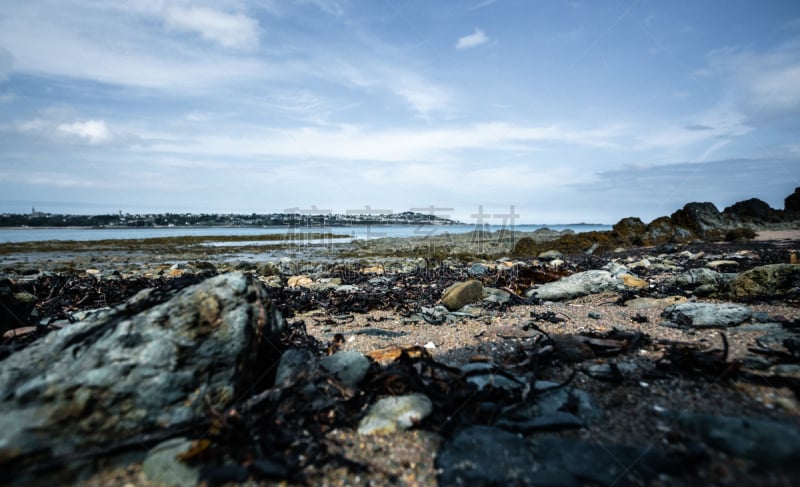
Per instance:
x=632, y=281
x=489, y=456
x=461, y=294
x=595, y=315
x=698, y=277
x=765, y=441
x=630, y=231
x=294, y=364
x=662, y=231
x=791, y=204
x=700, y=315
x=324, y=284
x=575, y=285
x=350, y=367
x=493, y=295
x=642, y=303
x=397, y=412
x=551, y=398
x=299, y=281
x=766, y=280
x=159, y=359
x=477, y=270
x=551, y=255
x=268, y=269
x=347, y=289
x=162, y=466
x=483, y=375
x=435, y=315
x=714, y=264
x=702, y=219
x=753, y=210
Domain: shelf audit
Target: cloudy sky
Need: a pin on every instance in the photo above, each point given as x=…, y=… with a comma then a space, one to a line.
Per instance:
x=568, y=110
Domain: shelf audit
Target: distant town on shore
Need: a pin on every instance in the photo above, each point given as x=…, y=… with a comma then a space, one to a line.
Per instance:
x=41, y=219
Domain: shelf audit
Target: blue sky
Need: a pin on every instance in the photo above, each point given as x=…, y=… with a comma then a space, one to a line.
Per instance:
x=569, y=111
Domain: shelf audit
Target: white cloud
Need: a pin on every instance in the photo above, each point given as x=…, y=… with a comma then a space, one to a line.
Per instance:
x=94, y=131
x=353, y=143
x=473, y=40
x=766, y=84
x=480, y=5
x=229, y=30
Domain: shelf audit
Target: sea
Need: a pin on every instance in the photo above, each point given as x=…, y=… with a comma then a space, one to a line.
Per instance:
x=361, y=232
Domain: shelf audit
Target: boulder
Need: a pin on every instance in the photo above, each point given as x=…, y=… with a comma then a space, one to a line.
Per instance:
x=700, y=315
x=702, y=219
x=766, y=280
x=461, y=294
x=791, y=204
x=752, y=210
x=663, y=231
x=763, y=440
x=485, y=456
x=579, y=284
x=630, y=231
x=159, y=360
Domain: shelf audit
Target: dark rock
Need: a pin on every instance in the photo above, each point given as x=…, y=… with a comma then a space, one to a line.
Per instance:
x=765, y=441
x=792, y=202
x=662, y=231
x=767, y=280
x=702, y=219
x=487, y=456
x=160, y=359
x=630, y=231
x=349, y=366
x=699, y=315
x=752, y=210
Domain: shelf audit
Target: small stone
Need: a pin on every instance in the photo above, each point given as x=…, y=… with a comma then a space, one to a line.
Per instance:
x=700, y=315
x=477, y=270
x=551, y=255
x=642, y=303
x=634, y=282
x=493, y=295
x=430, y=346
x=299, y=281
x=461, y=294
x=350, y=367
x=392, y=413
x=595, y=315
x=720, y=263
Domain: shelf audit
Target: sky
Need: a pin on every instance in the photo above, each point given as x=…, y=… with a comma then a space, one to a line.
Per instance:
x=565, y=111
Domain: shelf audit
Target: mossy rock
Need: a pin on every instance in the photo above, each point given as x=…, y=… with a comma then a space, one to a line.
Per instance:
x=630, y=231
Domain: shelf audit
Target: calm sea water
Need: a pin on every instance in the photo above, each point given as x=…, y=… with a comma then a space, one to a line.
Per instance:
x=16, y=235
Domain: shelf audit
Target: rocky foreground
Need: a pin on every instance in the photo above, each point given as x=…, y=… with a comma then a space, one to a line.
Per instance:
x=676, y=363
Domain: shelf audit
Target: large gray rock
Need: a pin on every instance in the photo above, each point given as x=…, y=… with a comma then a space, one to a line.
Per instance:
x=703, y=219
x=765, y=441
x=766, y=280
x=487, y=456
x=156, y=361
x=579, y=284
x=699, y=277
x=700, y=315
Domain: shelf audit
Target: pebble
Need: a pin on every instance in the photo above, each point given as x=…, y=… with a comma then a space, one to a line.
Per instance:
x=390, y=414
